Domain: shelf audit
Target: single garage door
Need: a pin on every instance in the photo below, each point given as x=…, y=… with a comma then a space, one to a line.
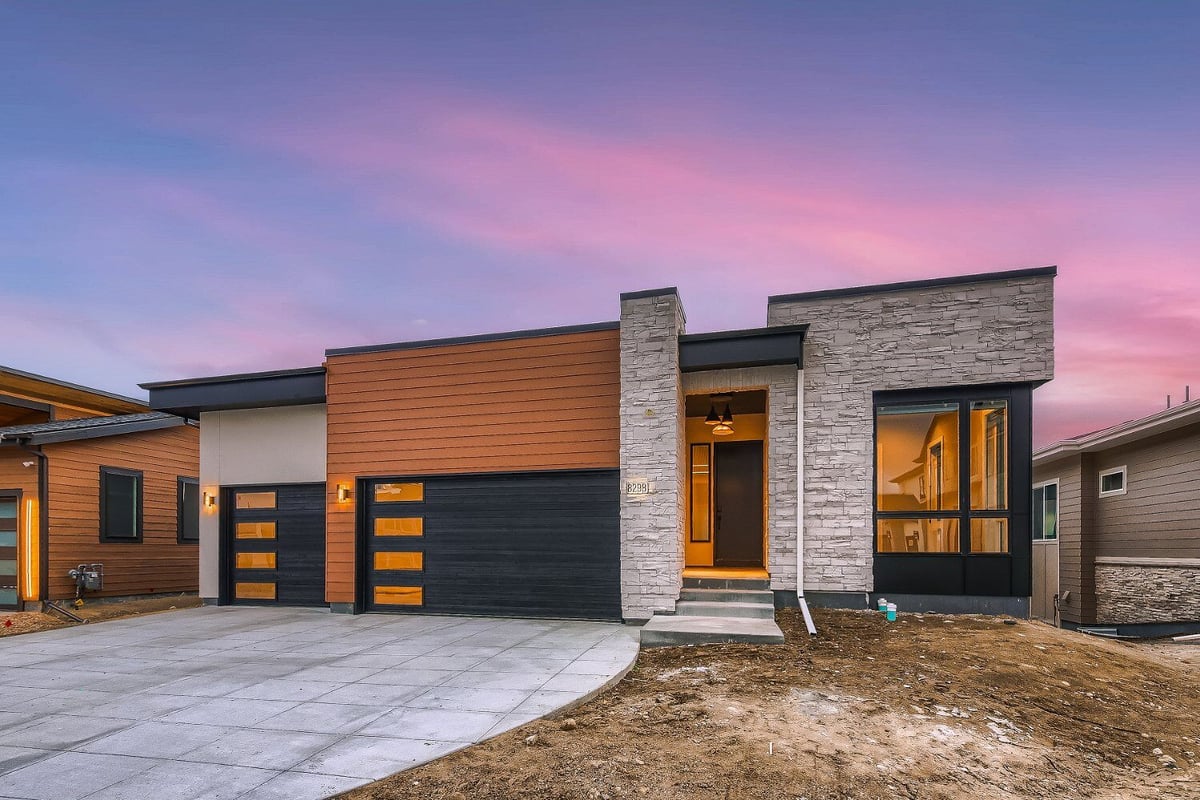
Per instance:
x=543, y=544
x=274, y=544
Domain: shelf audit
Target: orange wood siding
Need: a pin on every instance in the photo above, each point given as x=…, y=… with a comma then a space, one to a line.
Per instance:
x=156, y=564
x=538, y=403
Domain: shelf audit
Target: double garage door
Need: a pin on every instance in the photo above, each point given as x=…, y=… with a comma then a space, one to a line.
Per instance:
x=520, y=544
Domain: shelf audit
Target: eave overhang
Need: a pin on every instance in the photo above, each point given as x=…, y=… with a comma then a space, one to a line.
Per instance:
x=755, y=347
x=190, y=397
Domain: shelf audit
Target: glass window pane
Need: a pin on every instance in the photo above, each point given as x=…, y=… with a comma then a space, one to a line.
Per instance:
x=989, y=535
x=189, y=511
x=399, y=492
x=120, y=505
x=256, y=561
x=1050, y=512
x=917, y=536
x=1112, y=482
x=399, y=526
x=989, y=455
x=1039, y=517
x=701, y=471
x=254, y=591
x=255, y=500
x=8, y=538
x=398, y=595
x=8, y=509
x=255, y=530
x=916, y=457
x=8, y=567
x=399, y=561
x=8, y=597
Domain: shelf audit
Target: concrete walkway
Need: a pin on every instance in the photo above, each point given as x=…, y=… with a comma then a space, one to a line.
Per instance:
x=276, y=703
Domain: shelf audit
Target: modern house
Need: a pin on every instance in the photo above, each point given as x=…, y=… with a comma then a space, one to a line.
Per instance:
x=1117, y=526
x=865, y=441
x=88, y=477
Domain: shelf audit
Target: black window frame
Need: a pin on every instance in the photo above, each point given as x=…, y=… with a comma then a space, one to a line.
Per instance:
x=180, y=482
x=139, y=522
x=963, y=572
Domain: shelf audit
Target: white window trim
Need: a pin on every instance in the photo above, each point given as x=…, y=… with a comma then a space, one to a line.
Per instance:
x=1124, y=481
x=1057, y=507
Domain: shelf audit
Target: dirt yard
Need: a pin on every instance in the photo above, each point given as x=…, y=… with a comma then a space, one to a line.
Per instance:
x=926, y=707
x=15, y=622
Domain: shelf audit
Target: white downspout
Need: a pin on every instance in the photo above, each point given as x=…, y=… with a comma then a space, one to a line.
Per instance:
x=808, y=621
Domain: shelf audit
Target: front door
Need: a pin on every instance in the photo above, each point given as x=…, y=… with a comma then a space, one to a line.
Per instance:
x=9, y=503
x=738, y=504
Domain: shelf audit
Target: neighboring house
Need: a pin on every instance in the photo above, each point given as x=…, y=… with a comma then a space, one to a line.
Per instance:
x=88, y=477
x=1117, y=525
x=867, y=441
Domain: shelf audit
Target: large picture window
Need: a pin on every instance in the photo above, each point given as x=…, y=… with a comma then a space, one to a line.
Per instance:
x=941, y=476
x=120, y=505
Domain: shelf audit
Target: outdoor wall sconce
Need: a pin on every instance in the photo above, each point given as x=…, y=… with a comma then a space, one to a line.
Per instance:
x=210, y=500
x=343, y=493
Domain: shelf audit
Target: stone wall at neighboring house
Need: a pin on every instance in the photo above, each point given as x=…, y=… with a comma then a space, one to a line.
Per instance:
x=990, y=331
x=782, y=458
x=1147, y=591
x=652, y=447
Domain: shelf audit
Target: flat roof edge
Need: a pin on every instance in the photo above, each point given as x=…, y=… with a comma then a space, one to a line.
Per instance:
x=531, y=333
x=905, y=286
x=649, y=293
x=235, y=378
x=745, y=333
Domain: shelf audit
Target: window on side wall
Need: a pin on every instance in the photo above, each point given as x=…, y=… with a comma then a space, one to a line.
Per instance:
x=941, y=476
x=187, y=495
x=1112, y=481
x=1045, y=512
x=120, y=505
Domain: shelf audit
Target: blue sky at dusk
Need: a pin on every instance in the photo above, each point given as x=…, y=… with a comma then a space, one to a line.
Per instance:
x=204, y=188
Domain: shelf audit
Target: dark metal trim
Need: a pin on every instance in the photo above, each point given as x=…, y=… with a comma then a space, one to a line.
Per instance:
x=261, y=390
x=67, y=385
x=21, y=402
x=234, y=378
x=531, y=333
x=140, y=521
x=649, y=293
x=756, y=347
x=906, y=286
x=180, y=482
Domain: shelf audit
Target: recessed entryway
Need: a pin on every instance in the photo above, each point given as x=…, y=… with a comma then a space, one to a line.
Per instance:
x=726, y=451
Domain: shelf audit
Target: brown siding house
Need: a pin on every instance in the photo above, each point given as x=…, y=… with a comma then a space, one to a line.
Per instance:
x=93, y=484
x=1122, y=515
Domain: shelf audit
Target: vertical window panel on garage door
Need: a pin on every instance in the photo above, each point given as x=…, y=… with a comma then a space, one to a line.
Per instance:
x=525, y=544
x=273, y=545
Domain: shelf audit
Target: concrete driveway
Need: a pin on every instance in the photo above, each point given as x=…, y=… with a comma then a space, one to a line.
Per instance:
x=276, y=703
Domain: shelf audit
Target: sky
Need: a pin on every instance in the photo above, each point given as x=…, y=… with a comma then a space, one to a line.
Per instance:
x=205, y=188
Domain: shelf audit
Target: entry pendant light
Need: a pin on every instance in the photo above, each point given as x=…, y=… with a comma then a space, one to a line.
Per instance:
x=724, y=426
x=712, y=418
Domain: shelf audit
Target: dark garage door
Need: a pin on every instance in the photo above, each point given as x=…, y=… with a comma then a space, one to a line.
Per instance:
x=543, y=544
x=273, y=541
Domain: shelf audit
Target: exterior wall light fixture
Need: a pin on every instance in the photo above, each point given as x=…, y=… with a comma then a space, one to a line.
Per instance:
x=343, y=493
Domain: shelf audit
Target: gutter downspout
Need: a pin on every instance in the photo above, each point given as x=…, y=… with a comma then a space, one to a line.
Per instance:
x=43, y=515
x=808, y=620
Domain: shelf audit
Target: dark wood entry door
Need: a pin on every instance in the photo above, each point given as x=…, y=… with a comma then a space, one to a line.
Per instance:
x=9, y=505
x=738, y=495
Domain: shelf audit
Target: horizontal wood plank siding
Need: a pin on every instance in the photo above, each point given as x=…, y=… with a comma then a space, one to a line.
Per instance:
x=537, y=403
x=156, y=564
x=1159, y=514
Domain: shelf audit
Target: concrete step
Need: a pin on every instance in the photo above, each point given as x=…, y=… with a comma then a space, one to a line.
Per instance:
x=700, y=608
x=763, y=596
x=726, y=583
x=670, y=631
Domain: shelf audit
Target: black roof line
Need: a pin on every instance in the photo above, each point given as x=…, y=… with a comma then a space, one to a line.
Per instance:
x=278, y=373
x=771, y=330
x=904, y=286
x=483, y=337
x=649, y=293
x=89, y=428
x=68, y=385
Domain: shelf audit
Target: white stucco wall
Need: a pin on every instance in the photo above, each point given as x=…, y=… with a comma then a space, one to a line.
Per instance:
x=254, y=446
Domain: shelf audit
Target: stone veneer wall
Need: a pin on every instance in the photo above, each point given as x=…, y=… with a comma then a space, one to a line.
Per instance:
x=1130, y=594
x=652, y=443
x=993, y=331
x=782, y=462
